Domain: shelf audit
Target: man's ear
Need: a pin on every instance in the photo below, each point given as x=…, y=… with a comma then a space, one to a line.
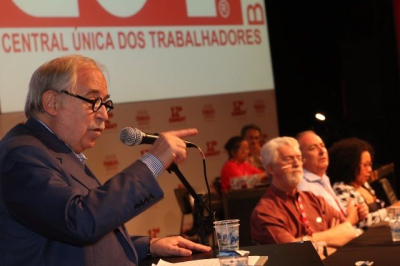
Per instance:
x=49, y=102
x=270, y=170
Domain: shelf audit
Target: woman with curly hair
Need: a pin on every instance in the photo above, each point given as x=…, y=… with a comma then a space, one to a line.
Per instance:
x=350, y=168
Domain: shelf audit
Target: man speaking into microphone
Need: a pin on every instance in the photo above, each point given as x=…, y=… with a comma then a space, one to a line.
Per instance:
x=53, y=210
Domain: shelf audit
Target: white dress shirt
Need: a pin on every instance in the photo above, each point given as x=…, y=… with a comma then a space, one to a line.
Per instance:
x=320, y=187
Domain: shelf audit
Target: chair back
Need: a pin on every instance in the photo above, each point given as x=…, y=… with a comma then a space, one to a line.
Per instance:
x=389, y=191
x=383, y=181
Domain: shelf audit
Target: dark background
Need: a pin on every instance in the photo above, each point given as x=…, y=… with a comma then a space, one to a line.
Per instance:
x=339, y=58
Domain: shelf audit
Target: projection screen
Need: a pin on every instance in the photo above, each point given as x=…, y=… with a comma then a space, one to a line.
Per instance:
x=153, y=49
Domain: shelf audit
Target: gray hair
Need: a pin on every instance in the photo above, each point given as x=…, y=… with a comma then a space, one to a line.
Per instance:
x=56, y=75
x=269, y=152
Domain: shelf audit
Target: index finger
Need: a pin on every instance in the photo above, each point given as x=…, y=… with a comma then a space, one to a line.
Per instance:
x=184, y=132
x=193, y=246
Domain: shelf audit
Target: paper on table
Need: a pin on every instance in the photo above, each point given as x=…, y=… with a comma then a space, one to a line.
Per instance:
x=207, y=262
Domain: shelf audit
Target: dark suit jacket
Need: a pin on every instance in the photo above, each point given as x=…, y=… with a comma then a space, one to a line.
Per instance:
x=53, y=210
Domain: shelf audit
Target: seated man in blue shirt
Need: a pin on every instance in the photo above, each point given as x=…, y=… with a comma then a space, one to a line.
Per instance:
x=316, y=161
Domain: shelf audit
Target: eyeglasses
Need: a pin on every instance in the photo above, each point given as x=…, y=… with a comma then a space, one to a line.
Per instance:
x=292, y=159
x=96, y=103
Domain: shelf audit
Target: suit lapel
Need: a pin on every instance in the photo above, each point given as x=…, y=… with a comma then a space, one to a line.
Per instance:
x=64, y=155
x=78, y=171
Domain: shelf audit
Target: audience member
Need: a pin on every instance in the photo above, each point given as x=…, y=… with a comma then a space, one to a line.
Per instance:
x=316, y=161
x=252, y=133
x=285, y=214
x=237, y=165
x=350, y=169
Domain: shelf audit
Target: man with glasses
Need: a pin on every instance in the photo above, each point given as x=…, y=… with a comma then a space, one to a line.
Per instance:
x=53, y=210
x=285, y=214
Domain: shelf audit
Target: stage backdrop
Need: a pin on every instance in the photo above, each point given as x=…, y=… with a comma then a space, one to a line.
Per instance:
x=172, y=64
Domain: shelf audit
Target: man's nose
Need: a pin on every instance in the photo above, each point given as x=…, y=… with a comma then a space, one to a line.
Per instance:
x=297, y=161
x=322, y=150
x=102, y=113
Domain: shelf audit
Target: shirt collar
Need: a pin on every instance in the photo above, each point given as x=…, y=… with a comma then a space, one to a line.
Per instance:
x=283, y=194
x=311, y=177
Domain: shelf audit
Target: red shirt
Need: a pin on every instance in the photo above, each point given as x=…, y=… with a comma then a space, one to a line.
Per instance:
x=232, y=169
x=276, y=218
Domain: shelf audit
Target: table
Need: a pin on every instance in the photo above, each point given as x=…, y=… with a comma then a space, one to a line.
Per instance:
x=278, y=255
x=373, y=245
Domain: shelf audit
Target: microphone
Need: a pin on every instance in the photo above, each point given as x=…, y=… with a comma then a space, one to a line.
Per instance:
x=132, y=136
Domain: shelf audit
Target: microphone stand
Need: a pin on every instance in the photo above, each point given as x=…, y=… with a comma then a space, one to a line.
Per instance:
x=204, y=224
